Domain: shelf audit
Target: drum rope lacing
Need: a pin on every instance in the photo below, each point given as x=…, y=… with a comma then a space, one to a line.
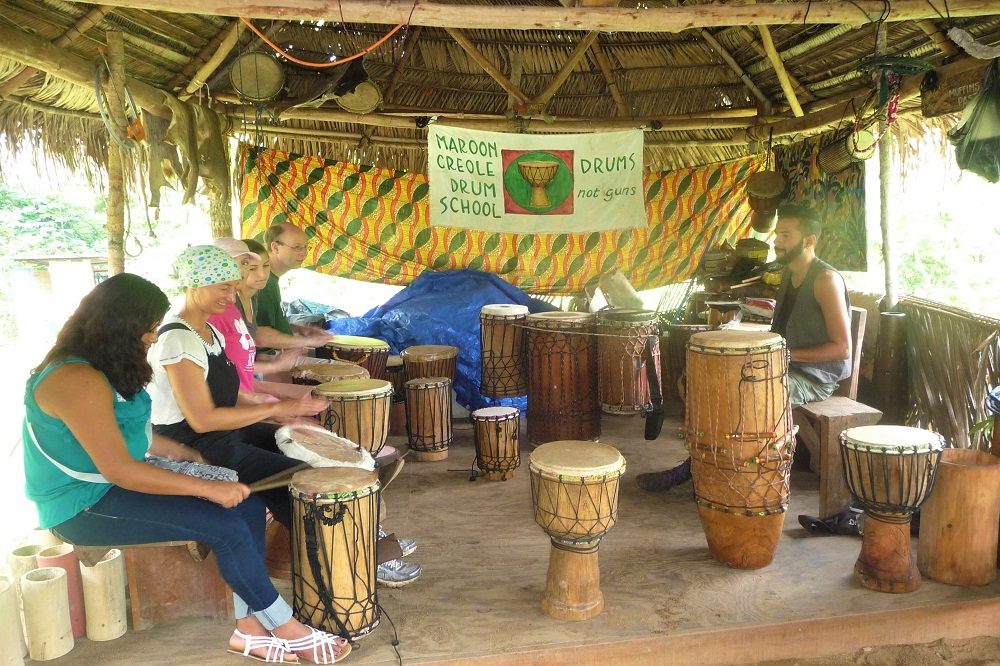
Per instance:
x=552, y=353
x=607, y=485
x=433, y=400
x=507, y=458
x=890, y=484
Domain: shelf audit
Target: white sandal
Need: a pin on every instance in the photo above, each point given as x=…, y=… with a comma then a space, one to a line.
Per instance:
x=277, y=648
x=322, y=646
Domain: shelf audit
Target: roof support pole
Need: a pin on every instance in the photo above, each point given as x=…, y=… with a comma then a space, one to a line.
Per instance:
x=114, y=89
x=600, y=59
x=735, y=66
x=484, y=62
x=779, y=69
x=560, y=78
x=885, y=196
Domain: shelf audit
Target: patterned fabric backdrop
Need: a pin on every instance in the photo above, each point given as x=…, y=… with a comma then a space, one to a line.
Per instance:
x=371, y=224
x=839, y=198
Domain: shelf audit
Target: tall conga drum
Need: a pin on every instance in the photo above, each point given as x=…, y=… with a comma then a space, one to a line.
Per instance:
x=890, y=471
x=623, y=383
x=738, y=426
x=562, y=377
x=574, y=491
x=371, y=354
x=314, y=374
x=495, y=432
x=501, y=336
x=428, y=417
x=673, y=362
x=429, y=361
x=358, y=410
x=335, y=518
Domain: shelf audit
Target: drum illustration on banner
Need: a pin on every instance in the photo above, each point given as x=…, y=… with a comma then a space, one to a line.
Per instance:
x=538, y=182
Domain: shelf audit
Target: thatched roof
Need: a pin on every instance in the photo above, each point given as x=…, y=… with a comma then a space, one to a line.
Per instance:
x=684, y=82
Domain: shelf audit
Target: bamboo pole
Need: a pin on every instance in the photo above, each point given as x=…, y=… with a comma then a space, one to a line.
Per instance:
x=801, y=89
x=85, y=22
x=487, y=65
x=583, y=19
x=803, y=47
x=600, y=58
x=45, y=596
x=941, y=40
x=560, y=78
x=12, y=645
x=206, y=52
x=779, y=69
x=735, y=66
x=104, y=594
x=885, y=195
x=114, y=89
x=226, y=44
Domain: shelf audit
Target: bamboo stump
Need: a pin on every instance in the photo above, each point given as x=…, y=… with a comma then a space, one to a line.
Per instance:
x=12, y=647
x=886, y=561
x=45, y=596
x=573, y=585
x=959, y=522
x=64, y=558
x=104, y=596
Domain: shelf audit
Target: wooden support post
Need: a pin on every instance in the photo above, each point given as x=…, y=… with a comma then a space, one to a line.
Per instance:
x=779, y=69
x=229, y=37
x=114, y=89
x=484, y=62
x=885, y=193
x=604, y=64
x=206, y=52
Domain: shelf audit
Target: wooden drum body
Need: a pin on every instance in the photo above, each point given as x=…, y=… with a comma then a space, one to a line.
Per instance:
x=495, y=430
x=673, y=362
x=428, y=417
x=358, y=410
x=503, y=345
x=739, y=431
x=314, y=374
x=623, y=383
x=334, y=587
x=562, y=377
x=370, y=353
x=574, y=490
x=890, y=471
x=429, y=361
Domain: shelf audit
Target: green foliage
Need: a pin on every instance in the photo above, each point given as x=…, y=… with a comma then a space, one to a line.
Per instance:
x=49, y=225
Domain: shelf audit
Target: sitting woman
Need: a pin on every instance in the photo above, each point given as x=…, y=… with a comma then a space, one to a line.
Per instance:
x=86, y=431
x=195, y=387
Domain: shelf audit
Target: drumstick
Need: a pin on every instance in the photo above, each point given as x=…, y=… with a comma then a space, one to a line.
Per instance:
x=277, y=480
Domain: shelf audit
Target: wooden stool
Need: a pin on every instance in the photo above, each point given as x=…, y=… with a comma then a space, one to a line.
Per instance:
x=169, y=579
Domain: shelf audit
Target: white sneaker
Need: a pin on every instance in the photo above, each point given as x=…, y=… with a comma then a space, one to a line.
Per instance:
x=405, y=545
x=397, y=573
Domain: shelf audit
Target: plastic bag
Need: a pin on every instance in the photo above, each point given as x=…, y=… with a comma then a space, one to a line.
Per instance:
x=977, y=137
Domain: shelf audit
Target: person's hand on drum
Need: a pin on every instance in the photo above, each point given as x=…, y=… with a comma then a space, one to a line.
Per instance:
x=304, y=406
x=286, y=360
x=313, y=336
x=256, y=398
x=227, y=494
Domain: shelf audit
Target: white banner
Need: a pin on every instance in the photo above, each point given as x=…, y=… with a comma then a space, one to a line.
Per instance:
x=535, y=183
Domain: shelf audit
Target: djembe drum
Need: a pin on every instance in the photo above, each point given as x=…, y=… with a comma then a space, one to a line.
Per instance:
x=314, y=374
x=394, y=373
x=538, y=174
x=358, y=410
x=574, y=490
x=495, y=431
x=739, y=432
x=502, y=339
x=370, y=353
x=765, y=191
x=428, y=417
x=429, y=361
x=562, y=377
x=623, y=383
x=335, y=518
x=673, y=362
x=890, y=471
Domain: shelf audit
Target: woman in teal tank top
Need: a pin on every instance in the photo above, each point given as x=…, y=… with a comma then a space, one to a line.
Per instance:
x=86, y=432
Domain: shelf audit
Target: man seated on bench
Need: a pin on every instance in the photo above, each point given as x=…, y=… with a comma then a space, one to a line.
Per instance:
x=812, y=314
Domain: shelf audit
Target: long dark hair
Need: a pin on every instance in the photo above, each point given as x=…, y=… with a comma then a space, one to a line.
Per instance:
x=107, y=330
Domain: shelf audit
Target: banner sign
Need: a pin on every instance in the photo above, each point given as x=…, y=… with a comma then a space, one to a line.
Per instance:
x=535, y=183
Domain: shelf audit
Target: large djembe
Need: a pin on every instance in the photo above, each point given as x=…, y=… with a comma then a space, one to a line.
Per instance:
x=890, y=471
x=538, y=175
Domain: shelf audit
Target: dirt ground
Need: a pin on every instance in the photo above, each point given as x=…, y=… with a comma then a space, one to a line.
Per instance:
x=981, y=651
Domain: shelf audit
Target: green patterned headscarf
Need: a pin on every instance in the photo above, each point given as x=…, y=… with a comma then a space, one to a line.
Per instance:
x=202, y=265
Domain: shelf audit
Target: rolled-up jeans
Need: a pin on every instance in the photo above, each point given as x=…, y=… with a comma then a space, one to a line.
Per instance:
x=236, y=536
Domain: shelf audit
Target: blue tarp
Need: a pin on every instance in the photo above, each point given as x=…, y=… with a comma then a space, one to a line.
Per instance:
x=443, y=309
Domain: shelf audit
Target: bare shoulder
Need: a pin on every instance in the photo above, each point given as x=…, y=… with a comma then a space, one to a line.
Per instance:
x=70, y=382
x=828, y=279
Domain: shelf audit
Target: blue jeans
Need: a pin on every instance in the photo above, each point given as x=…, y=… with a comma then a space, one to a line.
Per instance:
x=236, y=536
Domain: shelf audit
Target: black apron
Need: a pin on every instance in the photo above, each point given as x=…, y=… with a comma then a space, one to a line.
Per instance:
x=223, y=380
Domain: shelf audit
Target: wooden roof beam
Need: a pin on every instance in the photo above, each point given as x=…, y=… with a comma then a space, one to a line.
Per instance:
x=188, y=72
x=462, y=39
x=229, y=36
x=560, y=78
x=600, y=58
x=87, y=21
x=801, y=89
x=583, y=19
x=735, y=66
x=941, y=40
x=779, y=69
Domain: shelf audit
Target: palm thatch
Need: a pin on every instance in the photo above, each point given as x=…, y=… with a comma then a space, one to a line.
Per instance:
x=683, y=81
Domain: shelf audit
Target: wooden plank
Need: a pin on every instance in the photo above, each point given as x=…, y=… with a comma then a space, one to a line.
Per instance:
x=585, y=19
x=953, y=92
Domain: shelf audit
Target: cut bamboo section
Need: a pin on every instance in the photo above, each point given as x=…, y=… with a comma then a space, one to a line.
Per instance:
x=45, y=596
x=12, y=645
x=104, y=596
x=63, y=557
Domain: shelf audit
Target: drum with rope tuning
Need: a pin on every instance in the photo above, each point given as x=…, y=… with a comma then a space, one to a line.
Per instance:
x=502, y=340
x=495, y=431
x=371, y=354
x=358, y=410
x=623, y=383
x=428, y=417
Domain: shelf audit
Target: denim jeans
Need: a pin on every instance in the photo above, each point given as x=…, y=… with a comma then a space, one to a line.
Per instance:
x=236, y=536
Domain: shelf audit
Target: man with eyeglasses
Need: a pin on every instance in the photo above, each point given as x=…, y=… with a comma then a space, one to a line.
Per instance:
x=286, y=245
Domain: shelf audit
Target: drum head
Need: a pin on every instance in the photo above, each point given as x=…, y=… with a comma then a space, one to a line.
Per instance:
x=333, y=481
x=626, y=317
x=861, y=144
x=257, y=76
x=559, y=317
x=892, y=439
x=504, y=310
x=495, y=412
x=330, y=372
x=356, y=342
x=394, y=362
x=766, y=184
x=735, y=340
x=354, y=387
x=577, y=459
x=321, y=448
x=428, y=382
x=429, y=352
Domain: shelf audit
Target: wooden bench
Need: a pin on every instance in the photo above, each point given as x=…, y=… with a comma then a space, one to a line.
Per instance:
x=169, y=579
x=820, y=424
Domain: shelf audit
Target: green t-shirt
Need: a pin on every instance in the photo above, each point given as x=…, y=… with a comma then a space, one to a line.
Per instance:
x=57, y=495
x=269, y=312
